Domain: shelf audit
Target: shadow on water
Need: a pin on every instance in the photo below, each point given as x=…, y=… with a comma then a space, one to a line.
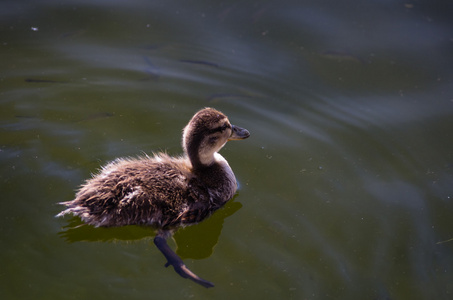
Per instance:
x=193, y=242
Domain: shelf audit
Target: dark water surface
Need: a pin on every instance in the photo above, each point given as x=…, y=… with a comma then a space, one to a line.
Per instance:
x=346, y=183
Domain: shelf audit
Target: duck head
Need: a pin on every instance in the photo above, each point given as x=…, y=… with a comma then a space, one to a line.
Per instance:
x=206, y=133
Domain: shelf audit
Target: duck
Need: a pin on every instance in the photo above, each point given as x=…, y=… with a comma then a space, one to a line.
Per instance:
x=162, y=191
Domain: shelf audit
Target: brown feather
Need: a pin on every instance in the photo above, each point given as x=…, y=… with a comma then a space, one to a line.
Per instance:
x=163, y=191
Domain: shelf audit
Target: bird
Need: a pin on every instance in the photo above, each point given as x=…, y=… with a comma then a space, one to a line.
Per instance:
x=162, y=191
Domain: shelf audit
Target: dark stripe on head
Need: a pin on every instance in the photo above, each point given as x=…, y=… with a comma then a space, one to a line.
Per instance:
x=220, y=128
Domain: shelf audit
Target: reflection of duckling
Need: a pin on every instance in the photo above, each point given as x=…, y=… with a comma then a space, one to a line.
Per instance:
x=163, y=191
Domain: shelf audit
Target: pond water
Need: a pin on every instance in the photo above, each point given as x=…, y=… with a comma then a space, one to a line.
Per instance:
x=346, y=183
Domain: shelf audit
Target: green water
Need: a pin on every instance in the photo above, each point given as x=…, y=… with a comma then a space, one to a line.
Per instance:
x=346, y=183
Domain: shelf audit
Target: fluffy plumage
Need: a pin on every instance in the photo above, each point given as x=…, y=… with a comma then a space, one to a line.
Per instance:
x=164, y=191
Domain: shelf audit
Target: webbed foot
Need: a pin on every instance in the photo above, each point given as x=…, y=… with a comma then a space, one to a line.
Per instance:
x=174, y=260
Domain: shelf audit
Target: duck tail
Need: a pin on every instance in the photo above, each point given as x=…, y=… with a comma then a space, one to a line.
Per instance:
x=72, y=209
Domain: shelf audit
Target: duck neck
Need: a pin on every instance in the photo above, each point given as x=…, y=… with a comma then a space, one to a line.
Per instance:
x=198, y=158
x=196, y=162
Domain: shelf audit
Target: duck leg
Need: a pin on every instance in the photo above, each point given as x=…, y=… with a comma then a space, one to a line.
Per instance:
x=177, y=263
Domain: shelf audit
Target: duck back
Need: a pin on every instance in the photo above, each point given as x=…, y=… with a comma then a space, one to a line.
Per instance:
x=160, y=191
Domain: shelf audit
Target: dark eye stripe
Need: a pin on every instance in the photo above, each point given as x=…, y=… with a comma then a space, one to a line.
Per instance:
x=221, y=128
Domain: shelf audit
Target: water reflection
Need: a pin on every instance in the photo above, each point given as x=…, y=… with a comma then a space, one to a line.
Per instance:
x=349, y=175
x=193, y=242
x=189, y=239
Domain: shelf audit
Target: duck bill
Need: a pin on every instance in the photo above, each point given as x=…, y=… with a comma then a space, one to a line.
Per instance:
x=239, y=133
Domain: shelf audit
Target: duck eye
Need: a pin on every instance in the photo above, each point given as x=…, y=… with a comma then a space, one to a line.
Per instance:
x=212, y=139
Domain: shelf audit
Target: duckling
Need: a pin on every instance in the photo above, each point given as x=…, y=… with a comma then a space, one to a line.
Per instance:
x=162, y=191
